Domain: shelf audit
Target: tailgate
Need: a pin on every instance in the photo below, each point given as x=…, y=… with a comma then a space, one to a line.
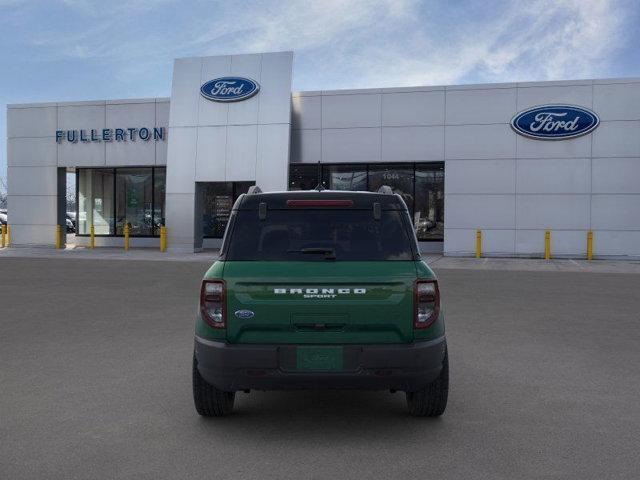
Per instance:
x=319, y=302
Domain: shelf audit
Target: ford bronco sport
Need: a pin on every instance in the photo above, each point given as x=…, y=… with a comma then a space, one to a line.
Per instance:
x=315, y=290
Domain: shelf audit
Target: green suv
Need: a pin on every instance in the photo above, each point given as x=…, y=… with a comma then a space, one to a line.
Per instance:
x=320, y=290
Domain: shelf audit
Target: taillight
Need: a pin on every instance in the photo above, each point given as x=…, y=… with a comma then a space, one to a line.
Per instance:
x=212, y=298
x=426, y=303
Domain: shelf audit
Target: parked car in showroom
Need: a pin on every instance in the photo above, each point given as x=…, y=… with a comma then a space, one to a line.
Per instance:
x=71, y=222
x=320, y=290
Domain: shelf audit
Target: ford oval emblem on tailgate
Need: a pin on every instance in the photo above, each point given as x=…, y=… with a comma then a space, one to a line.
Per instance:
x=244, y=313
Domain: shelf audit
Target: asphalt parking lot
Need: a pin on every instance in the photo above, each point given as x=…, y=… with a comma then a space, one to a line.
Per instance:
x=95, y=360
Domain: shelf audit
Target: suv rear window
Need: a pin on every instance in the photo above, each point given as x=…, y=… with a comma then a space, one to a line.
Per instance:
x=309, y=235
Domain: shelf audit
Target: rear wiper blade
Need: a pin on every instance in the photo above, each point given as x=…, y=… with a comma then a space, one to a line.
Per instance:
x=329, y=253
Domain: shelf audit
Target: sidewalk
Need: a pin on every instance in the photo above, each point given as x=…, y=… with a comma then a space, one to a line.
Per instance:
x=107, y=253
x=437, y=261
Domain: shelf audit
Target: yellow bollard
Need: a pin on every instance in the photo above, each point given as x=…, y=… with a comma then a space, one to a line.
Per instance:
x=163, y=238
x=92, y=237
x=3, y=231
x=126, y=237
x=8, y=234
x=547, y=244
x=478, y=243
x=589, y=245
x=58, y=237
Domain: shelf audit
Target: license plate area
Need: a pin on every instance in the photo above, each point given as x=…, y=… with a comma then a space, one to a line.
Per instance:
x=319, y=358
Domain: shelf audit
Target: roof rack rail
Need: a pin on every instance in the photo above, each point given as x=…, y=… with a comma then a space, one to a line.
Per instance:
x=253, y=189
x=385, y=190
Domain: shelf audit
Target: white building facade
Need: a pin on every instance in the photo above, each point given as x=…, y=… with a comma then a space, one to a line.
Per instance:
x=512, y=160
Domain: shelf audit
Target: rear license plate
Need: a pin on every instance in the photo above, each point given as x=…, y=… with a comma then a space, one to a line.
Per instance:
x=319, y=358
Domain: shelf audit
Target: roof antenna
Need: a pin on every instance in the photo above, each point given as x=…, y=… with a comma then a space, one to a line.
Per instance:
x=319, y=187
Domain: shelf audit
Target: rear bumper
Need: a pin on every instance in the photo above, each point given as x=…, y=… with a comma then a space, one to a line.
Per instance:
x=407, y=367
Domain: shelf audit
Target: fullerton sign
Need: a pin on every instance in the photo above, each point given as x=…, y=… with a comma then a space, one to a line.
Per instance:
x=555, y=122
x=110, y=135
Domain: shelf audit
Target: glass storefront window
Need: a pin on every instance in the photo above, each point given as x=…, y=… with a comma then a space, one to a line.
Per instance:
x=95, y=201
x=217, y=201
x=399, y=177
x=303, y=177
x=109, y=198
x=159, y=193
x=344, y=177
x=216, y=208
x=421, y=185
x=428, y=217
x=134, y=193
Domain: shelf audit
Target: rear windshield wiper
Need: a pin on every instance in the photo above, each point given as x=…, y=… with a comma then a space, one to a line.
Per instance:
x=329, y=253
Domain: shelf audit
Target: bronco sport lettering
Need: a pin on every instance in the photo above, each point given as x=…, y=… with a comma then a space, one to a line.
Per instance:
x=319, y=292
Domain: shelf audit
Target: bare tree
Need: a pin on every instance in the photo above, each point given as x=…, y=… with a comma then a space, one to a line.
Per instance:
x=71, y=193
x=3, y=193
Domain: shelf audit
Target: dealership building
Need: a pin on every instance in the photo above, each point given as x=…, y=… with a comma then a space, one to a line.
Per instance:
x=512, y=160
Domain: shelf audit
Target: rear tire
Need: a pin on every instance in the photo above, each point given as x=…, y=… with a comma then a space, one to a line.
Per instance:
x=209, y=401
x=431, y=401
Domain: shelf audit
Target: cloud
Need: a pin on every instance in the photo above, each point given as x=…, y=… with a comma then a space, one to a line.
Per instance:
x=554, y=40
x=370, y=43
x=97, y=8
x=364, y=43
x=357, y=43
x=543, y=40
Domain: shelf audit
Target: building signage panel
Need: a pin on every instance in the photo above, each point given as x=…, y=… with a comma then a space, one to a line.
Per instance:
x=229, y=89
x=555, y=122
x=111, y=135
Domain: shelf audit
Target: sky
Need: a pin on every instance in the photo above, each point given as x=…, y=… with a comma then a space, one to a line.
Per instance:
x=96, y=49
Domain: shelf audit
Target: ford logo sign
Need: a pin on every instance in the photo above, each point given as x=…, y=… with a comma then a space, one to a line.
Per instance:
x=555, y=122
x=229, y=89
x=244, y=314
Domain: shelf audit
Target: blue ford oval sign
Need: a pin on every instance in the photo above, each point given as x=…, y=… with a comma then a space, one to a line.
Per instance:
x=555, y=122
x=229, y=89
x=244, y=314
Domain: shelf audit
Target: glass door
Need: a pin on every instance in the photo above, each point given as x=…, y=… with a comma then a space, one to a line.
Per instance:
x=428, y=217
